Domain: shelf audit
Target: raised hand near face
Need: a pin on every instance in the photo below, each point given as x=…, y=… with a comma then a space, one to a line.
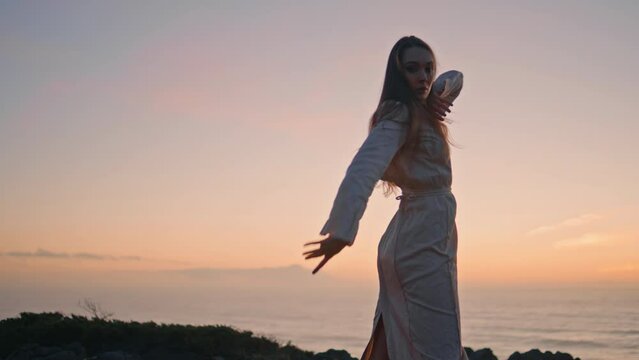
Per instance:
x=437, y=107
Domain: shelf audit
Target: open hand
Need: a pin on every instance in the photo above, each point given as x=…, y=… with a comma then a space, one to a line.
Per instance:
x=329, y=247
x=437, y=107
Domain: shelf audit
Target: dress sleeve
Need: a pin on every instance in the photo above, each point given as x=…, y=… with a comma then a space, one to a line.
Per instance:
x=366, y=168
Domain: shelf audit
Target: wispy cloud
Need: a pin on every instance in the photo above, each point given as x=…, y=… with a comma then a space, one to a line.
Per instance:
x=42, y=253
x=585, y=240
x=568, y=223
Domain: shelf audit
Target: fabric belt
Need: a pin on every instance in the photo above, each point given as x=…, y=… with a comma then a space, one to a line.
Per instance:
x=413, y=194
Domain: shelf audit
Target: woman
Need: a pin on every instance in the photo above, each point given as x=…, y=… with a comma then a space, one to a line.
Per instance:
x=417, y=313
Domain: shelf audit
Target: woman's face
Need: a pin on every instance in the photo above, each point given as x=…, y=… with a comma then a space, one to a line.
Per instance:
x=417, y=67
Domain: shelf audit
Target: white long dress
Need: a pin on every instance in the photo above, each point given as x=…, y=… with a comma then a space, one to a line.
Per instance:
x=417, y=254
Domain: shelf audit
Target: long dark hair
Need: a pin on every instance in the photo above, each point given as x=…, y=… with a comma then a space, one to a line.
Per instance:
x=396, y=88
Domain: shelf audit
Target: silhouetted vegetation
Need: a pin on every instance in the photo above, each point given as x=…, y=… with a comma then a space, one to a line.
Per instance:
x=100, y=335
x=94, y=309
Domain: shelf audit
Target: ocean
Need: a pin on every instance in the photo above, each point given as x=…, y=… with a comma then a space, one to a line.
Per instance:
x=594, y=322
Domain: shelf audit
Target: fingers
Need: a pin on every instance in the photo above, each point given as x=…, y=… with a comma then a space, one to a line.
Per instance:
x=314, y=253
x=442, y=108
x=442, y=104
x=445, y=103
x=319, y=266
x=442, y=101
x=314, y=242
x=440, y=114
x=436, y=108
x=436, y=115
x=321, y=251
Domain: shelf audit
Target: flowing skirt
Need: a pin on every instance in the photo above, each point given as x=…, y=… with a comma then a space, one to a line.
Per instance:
x=417, y=314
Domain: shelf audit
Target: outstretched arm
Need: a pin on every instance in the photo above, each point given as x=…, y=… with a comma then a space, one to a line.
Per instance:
x=366, y=168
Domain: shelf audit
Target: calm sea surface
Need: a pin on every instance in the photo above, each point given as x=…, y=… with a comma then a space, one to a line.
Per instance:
x=594, y=323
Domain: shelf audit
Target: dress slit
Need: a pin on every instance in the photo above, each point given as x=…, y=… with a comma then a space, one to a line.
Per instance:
x=377, y=348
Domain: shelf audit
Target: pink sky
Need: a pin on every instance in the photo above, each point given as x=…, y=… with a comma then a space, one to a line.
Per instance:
x=216, y=134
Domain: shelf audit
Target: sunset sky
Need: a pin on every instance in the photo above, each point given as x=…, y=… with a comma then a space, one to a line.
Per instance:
x=170, y=135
